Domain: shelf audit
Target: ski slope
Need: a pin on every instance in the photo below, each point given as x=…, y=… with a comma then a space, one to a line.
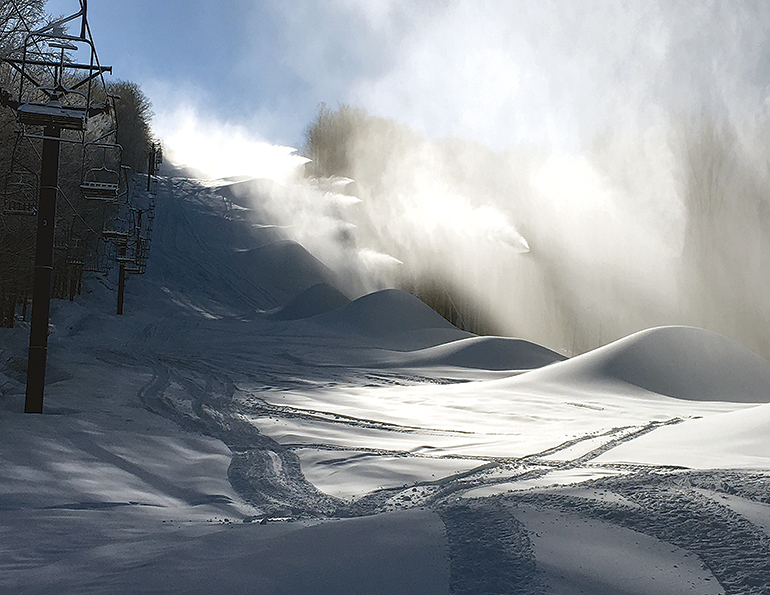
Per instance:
x=247, y=427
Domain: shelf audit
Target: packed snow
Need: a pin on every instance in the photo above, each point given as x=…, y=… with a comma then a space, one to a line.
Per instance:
x=247, y=427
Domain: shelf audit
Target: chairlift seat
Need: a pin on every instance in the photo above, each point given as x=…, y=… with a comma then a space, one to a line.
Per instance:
x=124, y=259
x=99, y=190
x=15, y=207
x=112, y=234
x=52, y=114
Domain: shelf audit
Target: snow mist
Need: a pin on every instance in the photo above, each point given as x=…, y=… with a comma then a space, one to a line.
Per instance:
x=571, y=172
x=627, y=186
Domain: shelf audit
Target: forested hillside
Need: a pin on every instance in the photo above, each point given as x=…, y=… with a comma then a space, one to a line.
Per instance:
x=79, y=245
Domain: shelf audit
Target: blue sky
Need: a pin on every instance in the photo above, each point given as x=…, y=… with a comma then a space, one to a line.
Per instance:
x=224, y=58
x=264, y=64
x=499, y=72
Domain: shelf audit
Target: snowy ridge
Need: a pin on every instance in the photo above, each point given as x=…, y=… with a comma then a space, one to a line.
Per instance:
x=735, y=439
x=393, y=318
x=284, y=269
x=490, y=353
x=315, y=300
x=487, y=353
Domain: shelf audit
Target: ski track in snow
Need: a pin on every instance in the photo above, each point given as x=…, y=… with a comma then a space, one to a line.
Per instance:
x=513, y=568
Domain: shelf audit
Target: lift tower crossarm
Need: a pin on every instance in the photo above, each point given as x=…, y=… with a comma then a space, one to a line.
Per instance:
x=56, y=63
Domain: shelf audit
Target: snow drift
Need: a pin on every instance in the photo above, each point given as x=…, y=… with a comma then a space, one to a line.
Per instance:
x=676, y=361
x=487, y=353
x=392, y=318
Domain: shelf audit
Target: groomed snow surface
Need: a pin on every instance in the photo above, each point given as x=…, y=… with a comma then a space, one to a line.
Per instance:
x=246, y=427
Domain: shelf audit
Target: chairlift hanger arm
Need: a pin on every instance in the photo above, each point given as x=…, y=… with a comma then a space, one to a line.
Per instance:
x=97, y=141
x=54, y=31
x=16, y=64
x=64, y=20
x=35, y=37
x=21, y=17
x=84, y=22
x=56, y=36
x=98, y=71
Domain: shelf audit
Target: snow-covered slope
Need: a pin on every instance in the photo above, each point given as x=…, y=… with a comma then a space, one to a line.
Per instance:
x=208, y=250
x=244, y=426
x=737, y=439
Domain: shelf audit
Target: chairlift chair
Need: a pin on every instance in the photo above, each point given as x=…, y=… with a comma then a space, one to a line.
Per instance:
x=142, y=251
x=100, y=260
x=113, y=235
x=20, y=196
x=96, y=190
x=102, y=183
x=13, y=207
x=54, y=105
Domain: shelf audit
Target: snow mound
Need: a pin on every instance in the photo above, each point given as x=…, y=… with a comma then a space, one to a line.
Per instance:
x=676, y=361
x=393, y=318
x=283, y=269
x=487, y=353
x=315, y=300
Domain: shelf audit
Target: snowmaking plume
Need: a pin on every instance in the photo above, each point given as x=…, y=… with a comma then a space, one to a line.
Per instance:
x=575, y=171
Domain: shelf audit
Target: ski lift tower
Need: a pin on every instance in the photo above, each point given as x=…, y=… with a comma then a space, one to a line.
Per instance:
x=53, y=93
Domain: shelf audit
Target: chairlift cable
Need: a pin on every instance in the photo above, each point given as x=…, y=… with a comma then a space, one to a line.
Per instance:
x=66, y=198
x=75, y=211
x=34, y=148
